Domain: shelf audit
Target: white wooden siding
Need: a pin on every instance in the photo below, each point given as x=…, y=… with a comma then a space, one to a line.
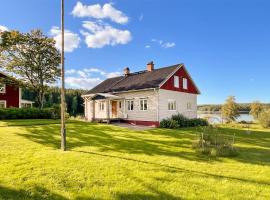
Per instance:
x=182, y=99
x=144, y=115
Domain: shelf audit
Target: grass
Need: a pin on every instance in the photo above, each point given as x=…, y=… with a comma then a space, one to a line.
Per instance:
x=109, y=162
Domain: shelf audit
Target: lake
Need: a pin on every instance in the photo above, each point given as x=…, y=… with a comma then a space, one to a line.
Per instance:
x=216, y=117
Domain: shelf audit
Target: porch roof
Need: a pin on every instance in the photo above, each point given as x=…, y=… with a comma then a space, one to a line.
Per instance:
x=102, y=96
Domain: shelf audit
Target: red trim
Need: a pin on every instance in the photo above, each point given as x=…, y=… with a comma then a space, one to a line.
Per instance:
x=181, y=73
x=144, y=123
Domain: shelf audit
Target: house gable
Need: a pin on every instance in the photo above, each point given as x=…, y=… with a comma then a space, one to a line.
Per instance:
x=181, y=72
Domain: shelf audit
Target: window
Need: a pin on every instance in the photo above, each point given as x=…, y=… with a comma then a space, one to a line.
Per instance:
x=101, y=106
x=188, y=106
x=2, y=88
x=171, y=105
x=3, y=104
x=120, y=104
x=143, y=104
x=130, y=104
x=185, y=84
x=176, y=81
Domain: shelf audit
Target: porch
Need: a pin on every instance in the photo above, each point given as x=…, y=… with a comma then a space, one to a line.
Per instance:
x=104, y=107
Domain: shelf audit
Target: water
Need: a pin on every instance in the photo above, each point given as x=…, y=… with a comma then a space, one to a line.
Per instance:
x=216, y=117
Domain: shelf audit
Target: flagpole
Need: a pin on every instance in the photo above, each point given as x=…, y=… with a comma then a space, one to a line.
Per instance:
x=63, y=105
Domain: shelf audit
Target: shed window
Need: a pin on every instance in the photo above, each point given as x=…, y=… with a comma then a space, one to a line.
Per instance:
x=3, y=104
x=185, y=84
x=176, y=81
x=171, y=105
x=2, y=88
x=143, y=104
x=130, y=104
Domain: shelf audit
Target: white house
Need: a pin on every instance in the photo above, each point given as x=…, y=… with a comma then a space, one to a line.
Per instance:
x=144, y=97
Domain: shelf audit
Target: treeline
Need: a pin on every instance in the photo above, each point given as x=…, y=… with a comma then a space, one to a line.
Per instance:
x=74, y=100
x=243, y=107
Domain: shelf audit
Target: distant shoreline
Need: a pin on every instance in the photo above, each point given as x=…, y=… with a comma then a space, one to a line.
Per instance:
x=219, y=112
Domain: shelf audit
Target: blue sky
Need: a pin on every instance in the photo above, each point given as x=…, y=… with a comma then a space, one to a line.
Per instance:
x=224, y=44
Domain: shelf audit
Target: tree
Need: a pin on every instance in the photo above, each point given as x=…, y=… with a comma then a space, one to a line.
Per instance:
x=264, y=118
x=74, y=105
x=32, y=58
x=255, y=109
x=230, y=110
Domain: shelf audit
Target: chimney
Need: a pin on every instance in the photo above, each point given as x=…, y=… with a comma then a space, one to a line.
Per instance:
x=150, y=66
x=126, y=71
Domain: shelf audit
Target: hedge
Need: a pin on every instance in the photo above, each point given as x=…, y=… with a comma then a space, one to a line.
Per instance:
x=29, y=113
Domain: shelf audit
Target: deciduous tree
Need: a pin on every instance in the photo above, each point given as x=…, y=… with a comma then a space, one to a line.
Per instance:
x=32, y=58
x=230, y=110
x=255, y=109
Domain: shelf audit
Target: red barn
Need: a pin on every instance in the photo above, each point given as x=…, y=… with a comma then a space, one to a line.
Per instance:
x=11, y=95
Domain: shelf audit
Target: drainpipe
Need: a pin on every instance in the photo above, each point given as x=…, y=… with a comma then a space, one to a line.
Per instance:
x=157, y=103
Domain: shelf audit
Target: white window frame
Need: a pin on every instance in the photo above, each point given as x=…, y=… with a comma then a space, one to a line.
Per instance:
x=171, y=105
x=5, y=103
x=4, y=91
x=185, y=83
x=101, y=106
x=129, y=103
x=176, y=81
x=142, y=104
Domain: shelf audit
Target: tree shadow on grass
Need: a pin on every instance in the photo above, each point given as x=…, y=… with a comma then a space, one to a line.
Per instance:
x=176, y=169
x=163, y=142
x=111, y=138
x=36, y=193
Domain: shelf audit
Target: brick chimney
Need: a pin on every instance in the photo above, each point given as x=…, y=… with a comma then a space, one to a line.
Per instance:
x=126, y=71
x=150, y=66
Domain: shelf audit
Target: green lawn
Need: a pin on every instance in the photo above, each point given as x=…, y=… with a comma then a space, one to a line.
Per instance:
x=108, y=162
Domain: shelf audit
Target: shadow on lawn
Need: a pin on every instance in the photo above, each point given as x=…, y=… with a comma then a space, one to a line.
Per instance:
x=175, y=169
x=162, y=142
x=36, y=193
x=112, y=138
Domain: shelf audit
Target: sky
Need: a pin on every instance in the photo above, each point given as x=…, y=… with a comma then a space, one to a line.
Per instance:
x=225, y=44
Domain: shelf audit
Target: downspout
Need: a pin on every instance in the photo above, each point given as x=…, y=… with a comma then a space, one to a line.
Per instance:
x=157, y=102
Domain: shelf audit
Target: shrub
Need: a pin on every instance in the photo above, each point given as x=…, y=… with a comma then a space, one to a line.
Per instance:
x=264, y=118
x=29, y=113
x=180, y=121
x=168, y=123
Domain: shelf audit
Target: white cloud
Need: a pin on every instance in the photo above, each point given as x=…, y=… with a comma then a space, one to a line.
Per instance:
x=147, y=46
x=113, y=74
x=141, y=17
x=99, y=12
x=87, y=78
x=100, y=35
x=82, y=83
x=163, y=44
x=72, y=40
x=3, y=28
x=168, y=45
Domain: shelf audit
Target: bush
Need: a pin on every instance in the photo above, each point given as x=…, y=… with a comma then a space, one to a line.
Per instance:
x=211, y=142
x=29, y=113
x=169, y=123
x=180, y=121
x=264, y=118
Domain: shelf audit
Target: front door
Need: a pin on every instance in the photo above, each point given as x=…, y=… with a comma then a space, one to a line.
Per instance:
x=114, y=109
